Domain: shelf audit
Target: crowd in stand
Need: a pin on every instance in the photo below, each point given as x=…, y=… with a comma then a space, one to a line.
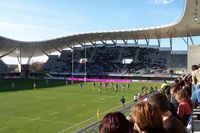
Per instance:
x=110, y=60
x=166, y=111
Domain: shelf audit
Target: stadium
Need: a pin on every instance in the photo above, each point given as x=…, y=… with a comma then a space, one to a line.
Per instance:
x=73, y=91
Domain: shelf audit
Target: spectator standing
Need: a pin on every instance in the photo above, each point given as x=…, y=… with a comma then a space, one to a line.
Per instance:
x=185, y=106
x=195, y=77
x=170, y=122
x=196, y=97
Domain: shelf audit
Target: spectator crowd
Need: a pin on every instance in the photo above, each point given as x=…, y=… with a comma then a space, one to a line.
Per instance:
x=168, y=110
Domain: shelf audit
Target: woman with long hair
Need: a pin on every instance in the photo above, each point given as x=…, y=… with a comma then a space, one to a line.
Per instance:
x=147, y=118
x=115, y=122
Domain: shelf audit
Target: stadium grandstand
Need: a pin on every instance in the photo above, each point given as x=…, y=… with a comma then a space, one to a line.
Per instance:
x=92, y=47
x=97, y=56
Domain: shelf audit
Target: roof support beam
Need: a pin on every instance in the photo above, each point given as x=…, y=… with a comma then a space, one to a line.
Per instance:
x=72, y=73
x=171, y=33
x=20, y=54
x=102, y=41
x=29, y=59
x=136, y=41
x=190, y=36
x=91, y=41
x=135, y=38
x=125, y=41
x=170, y=42
x=186, y=41
x=8, y=53
x=19, y=60
x=146, y=37
x=159, y=41
x=158, y=37
x=114, y=42
x=43, y=51
x=79, y=42
x=67, y=44
x=56, y=48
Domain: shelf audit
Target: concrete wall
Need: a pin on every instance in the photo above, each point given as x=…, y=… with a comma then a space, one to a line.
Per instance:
x=193, y=56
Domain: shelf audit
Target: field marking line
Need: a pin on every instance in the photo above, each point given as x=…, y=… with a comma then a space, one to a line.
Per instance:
x=90, y=119
x=34, y=119
x=23, y=118
x=54, y=113
x=3, y=128
x=69, y=109
x=58, y=122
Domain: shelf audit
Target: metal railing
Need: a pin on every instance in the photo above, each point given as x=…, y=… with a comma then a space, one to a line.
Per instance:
x=93, y=128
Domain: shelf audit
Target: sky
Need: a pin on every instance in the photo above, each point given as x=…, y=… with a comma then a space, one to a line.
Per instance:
x=36, y=20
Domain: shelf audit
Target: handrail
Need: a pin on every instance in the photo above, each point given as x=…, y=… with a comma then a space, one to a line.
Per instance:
x=93, y=128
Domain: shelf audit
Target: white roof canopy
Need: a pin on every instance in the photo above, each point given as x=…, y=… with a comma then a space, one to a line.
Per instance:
x=188, y=25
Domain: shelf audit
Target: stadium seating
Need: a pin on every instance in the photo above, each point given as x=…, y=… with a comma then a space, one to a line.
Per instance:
x=101, y=60
x=3, y=67
x=50, y=64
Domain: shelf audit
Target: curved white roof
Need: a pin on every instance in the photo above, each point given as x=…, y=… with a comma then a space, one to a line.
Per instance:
x=188, y=25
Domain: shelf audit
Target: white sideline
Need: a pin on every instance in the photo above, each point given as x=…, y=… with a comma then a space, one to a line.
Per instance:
x=3, y=128
x=89, y=119
x=54, y=113
x=34, y=119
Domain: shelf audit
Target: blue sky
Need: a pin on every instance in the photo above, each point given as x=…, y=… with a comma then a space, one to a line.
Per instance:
x=33, y=20
x=30, y=20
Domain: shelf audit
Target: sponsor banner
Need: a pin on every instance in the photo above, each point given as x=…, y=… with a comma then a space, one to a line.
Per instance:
x=100, y=80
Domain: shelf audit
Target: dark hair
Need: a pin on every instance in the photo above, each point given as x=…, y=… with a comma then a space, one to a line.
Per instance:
x=166, y=90
x=195, y=67
x=181, y=83
x=160, y=100
x=174, y=88
x=115, y=122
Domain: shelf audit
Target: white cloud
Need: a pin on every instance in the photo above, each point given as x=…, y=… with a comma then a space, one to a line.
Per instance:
x=160, y=1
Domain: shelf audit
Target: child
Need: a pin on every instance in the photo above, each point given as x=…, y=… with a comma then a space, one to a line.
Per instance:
x=185, y=105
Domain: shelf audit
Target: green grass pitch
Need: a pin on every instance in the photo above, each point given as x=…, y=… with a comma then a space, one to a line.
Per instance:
x=56, y=108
